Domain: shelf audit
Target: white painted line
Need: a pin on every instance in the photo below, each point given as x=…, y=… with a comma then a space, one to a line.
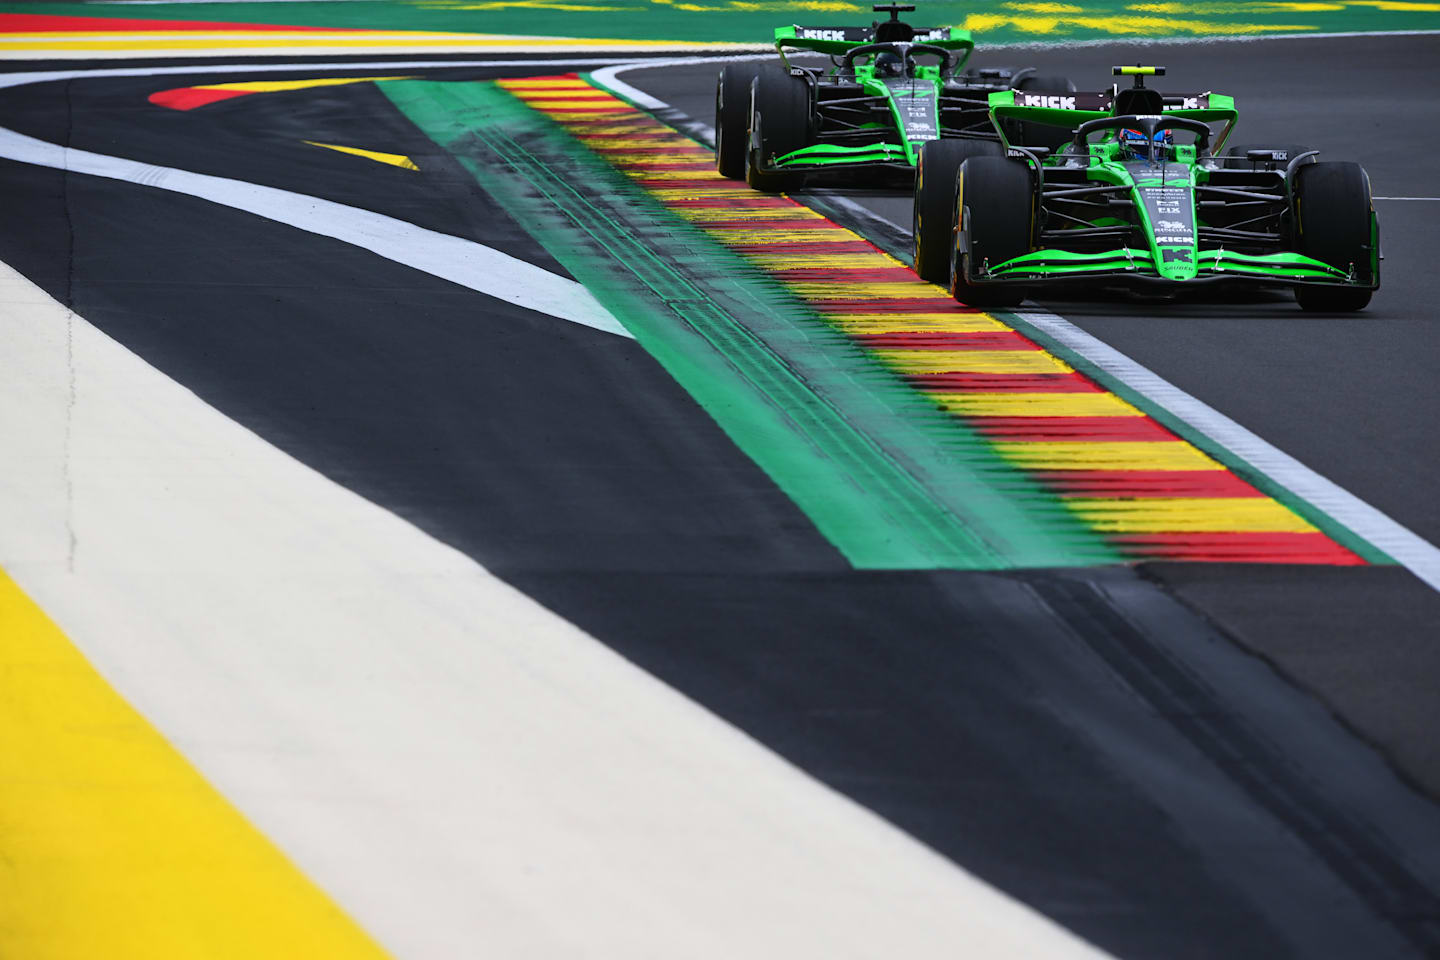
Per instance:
x=1405, y=198
x=465, y=772
x=1409, y=549
x=43, y=76
x=460, y=261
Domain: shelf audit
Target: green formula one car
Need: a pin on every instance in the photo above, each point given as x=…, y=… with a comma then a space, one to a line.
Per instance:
x=889, y=89
x=1138, y=196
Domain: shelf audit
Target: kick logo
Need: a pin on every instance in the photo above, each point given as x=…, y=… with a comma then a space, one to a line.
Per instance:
x=1176, y=255
x=1043, y=100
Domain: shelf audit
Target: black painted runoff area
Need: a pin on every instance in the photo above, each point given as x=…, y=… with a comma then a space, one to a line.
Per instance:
x=1093, y=742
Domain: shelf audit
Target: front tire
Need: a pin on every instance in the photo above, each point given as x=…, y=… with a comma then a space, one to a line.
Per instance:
x=934, y=219
x=996, y=217
x=780, y=123
x=1333, y=215
x=732, y=118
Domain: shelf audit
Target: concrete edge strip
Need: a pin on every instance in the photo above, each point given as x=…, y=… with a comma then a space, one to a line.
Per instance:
x=1385, y=534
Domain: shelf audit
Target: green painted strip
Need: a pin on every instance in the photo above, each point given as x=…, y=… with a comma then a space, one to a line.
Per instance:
x=744, y=21
x=892, y=481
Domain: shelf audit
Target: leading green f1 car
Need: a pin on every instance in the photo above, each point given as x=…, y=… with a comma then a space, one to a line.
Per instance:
x=1139, y=195
x=891, y=87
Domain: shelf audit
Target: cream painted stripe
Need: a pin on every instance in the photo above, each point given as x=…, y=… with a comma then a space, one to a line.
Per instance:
x=457, y=767
x=113, y=845
x=464, y=262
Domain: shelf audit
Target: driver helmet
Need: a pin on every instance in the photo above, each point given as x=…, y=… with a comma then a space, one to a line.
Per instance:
x=1134, y=141
x=889, y=64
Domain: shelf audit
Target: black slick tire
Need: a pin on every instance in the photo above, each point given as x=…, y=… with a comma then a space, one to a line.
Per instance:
x=780, y=120
x=732, y=118
x=1333, y=217
x=934, y=218
x=996, y=211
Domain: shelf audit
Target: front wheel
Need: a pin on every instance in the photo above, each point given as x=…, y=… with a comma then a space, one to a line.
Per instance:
x=934, y=219
x=1335, y=224
x=996, y=217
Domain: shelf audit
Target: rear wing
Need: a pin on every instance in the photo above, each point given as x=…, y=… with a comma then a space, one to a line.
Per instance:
x=1069, y=110
x=838, y=40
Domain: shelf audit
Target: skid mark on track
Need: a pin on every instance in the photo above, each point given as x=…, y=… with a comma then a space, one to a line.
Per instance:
x=1089, y=447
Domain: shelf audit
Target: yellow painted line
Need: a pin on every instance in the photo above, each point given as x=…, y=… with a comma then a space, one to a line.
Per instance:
x=540, y=97
x=700, y=193
x=1085, y=455
x=113, y=846
x=862, y=323
x=631, y=143
x=703, y=214
x=882, y=290
x=568, y=117
x=541, y=83
x=277, y=86
x=628, y=127
x=796, y=234
x=800, y=259
x=971, y=361
x=697, y=175
x=1189, y=515
x=1034, y=404
x=393, y=159
x=559, y=106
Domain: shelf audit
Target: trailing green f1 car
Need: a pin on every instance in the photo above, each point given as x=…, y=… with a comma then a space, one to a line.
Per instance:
x=1139, y=196
x=891, y=88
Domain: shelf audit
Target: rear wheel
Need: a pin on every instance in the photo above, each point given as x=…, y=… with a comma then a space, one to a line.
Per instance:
x=780, y=120
x=1333, y=220
x=732, y=118
x=996, y=210
x=1040, y=134
x=934, y=220
x=1291, y=151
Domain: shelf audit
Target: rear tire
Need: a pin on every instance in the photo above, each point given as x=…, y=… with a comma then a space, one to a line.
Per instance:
x=934, y=219
x=781, y=120
x=1333, y=215
x=996, y=211
x=732, y=118
x=1041, y=134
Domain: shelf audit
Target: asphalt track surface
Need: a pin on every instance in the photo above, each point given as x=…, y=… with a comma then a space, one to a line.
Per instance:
x=1094, y=742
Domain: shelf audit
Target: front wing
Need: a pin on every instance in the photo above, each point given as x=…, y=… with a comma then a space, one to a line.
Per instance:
x=1129, y=265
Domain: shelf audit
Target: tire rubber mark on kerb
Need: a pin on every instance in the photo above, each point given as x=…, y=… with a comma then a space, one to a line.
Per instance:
x=1407, y=548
